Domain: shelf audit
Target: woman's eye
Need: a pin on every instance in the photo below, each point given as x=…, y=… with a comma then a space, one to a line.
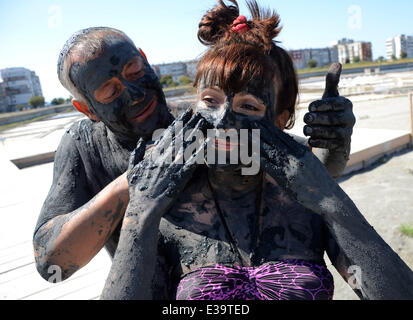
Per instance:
x=210, y=101
x=249, y=107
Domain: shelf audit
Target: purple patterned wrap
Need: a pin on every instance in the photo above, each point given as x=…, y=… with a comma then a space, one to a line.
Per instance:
x=285, y=280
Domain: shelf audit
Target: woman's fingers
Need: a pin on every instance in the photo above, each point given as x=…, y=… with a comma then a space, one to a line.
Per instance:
x=193, y=137
x=164, y=136
x=184, y=117
x=137, y=154
x=276, y=138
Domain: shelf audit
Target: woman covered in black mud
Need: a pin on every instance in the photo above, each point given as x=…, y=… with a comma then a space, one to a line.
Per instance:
x=206, y=232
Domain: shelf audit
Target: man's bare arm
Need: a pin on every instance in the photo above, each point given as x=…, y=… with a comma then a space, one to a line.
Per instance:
x=70, y=241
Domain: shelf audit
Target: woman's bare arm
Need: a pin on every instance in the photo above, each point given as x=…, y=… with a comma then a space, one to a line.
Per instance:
x=384, y=275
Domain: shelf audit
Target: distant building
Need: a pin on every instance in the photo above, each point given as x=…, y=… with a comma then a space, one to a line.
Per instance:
x=18, y=86
x=343, y=51
x=398, y=45
x=349, y=50
x=323, y=56
x=191, y=68
x=3, y=100
x=176, y=70
x=343, y=41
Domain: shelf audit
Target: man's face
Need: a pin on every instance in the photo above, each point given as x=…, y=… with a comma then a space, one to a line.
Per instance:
x=122, y=90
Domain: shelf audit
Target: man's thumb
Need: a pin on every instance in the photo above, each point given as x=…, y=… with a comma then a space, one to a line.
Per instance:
x=332, y=81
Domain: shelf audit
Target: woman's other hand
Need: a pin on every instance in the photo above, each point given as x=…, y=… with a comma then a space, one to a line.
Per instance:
x=157, y=180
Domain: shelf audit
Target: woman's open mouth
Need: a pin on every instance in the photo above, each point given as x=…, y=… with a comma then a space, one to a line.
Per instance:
x=225, y=145
x=146, y=112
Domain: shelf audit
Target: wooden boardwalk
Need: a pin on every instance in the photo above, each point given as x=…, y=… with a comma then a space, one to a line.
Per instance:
x=22, y=194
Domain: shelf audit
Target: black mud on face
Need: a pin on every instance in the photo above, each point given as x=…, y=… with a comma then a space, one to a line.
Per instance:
x=137, y=95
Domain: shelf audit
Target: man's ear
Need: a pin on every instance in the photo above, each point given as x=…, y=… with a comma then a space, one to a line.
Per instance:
x=83, y=108
x=143, y=54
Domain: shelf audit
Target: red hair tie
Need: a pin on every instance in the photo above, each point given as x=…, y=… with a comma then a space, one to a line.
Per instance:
x=240, y=25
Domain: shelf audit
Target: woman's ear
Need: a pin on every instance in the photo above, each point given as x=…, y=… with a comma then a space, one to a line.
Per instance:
x=282, y=120
x=83, y=108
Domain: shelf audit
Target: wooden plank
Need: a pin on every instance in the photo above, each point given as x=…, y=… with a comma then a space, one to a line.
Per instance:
x=69, y=286
x=86, y=292
x=13, y=246
x=15, y=264
x=35, y=160
x=24, y=271
x=18, y=251
x=23, y=284
x=26, y=283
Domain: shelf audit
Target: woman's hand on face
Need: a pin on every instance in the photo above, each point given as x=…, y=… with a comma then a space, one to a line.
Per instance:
x=156, y=181
x=294, y=167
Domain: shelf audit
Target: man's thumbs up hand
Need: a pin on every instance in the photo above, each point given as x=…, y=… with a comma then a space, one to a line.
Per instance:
x=330, y=121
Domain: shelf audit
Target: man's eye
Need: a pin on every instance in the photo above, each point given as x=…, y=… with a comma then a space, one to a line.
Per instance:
x=133, y=71
x=111, y=91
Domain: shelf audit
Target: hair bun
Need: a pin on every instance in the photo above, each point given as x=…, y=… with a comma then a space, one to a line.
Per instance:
x=216, y=22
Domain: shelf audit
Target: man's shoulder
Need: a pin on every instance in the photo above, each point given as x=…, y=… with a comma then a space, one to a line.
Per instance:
x=82, y=137
x=86, y=129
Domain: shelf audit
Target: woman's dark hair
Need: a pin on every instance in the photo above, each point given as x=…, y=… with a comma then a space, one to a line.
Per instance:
x=235, y=58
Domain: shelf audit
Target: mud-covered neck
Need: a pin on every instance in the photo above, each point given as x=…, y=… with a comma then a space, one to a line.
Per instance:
x=231, y=184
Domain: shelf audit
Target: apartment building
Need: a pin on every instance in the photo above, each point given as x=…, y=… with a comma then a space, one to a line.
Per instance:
x=323, y=56
x=399, y=46
x=176, y=70
x=343, y=51
x=3, y=99
x=19, y=85
x=191, y=68
x=349, y=51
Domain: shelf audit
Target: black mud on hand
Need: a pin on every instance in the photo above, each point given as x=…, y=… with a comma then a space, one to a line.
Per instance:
x=138, y=154
x=332, y=81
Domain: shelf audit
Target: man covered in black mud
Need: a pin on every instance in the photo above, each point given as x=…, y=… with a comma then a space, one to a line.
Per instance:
x=115, y=87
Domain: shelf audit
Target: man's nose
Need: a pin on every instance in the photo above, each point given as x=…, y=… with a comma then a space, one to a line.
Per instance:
x=135, y=92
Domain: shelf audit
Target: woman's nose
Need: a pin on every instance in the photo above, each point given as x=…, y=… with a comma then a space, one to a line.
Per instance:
x=226, y=119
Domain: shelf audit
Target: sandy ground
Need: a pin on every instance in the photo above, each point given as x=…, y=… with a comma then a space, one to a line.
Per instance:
x=384, y=195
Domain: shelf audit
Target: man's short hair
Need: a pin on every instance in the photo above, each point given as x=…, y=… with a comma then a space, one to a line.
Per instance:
x=82, y=47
